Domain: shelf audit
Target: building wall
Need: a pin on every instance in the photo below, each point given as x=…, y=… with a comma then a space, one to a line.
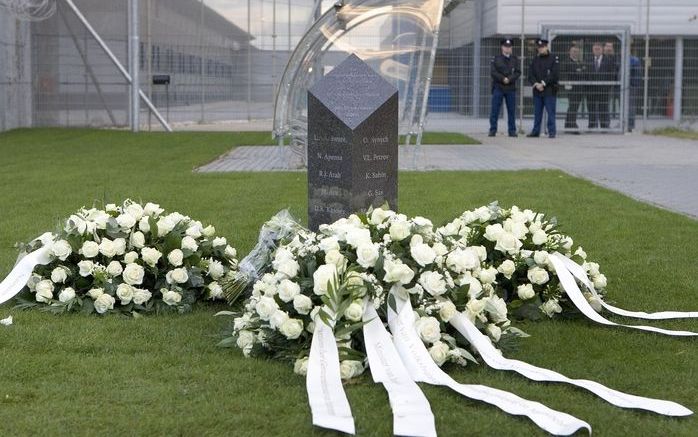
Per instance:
x=15, y=74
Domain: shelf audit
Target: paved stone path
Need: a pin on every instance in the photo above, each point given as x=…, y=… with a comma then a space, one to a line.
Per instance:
x=659, y=170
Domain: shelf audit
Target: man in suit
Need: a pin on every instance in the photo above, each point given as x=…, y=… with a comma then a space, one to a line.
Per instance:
x=602, y=69
x=573, y=70
x=505, y=71
x=543, y=76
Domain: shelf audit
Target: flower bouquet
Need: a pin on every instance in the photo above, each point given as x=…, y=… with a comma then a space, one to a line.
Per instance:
x=129, y=259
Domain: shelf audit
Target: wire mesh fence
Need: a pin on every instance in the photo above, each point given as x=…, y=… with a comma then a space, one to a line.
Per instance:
x=224, y=59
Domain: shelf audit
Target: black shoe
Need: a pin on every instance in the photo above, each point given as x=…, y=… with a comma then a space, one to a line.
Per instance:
x=492, y=134
x=532, y=135
x=513, y=135
x=551, y=136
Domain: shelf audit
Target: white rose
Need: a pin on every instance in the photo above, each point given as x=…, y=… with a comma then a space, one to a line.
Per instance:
x=177, y=276
x=593, y=269
x=329, y=243
x=292, y=328
x=428, y=329
x=492, y=232
x=300, y=367
x=144, y=224
x=396, y=271
x=440, y=249
x=336, y=258
x=354, y=312
x=483, y=213
x=424, y=224
x=350, y=368
x=86, y=268
x=474, y=308
x=215, y=291
x=539, y=237
x=447, y=310
x=508, y=243
x=379, y=215
x=176, y=257
x=59, y=275
x=125, y=293
x=538, y=276
x=600, y=281
x=582, y=254
x=119, y=246
x=209, y=231
x=551, y=307
x=288, y=290
x=165, y=226
x=141, y=296
x=567, y=243
x=594, y=301
x=135, y=210
x=324, y=274
x=95, y=293
x=245, y=341
x=519, y=230
x=215, y=269
x=302, y=303
x=171, y=298
x=188, y=243
x=461, y=260
x=133, y=274
x=104, y=303
x=433, y=283
x=507, y=268
x=422, y=254
x=488, y=275
x=130, y=257
x=439, y=352
x=137, y=239
x=277, y=319
x=194, y=230
x=44, y=291
x=230, y=252
x=494, y=331
x=497, y=309
x=126, y=221
x=266, y=307
x=152, y=209
x=219, y=242
x=525, y=291
x=90, y=249
x=114, y=269
x=61, y=249
x=111, y=207
x=66, y=294
x=541, y=257
x=399, y=230
x=151, y=256
x=288, y=267
x=367, y=255
x=357, y=236
x=106, y=248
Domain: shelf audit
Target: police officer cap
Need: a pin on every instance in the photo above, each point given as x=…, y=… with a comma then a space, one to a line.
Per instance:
x=540, y=42
x=505, y=42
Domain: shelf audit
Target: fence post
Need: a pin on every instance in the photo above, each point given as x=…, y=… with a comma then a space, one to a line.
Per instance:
x=678, y=79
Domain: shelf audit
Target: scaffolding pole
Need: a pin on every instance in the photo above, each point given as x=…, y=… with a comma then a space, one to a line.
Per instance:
x=116, y=62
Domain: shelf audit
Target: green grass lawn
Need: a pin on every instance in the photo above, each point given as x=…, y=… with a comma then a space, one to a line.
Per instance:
x=163, y=375
x=675, y=132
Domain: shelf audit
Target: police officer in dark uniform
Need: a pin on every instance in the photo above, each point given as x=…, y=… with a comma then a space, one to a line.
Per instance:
x=505, y=71
x=543, y=75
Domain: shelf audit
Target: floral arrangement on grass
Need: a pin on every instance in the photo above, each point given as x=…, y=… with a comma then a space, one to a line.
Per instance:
x=129, y=259
x=514, y=247
x=363, y=260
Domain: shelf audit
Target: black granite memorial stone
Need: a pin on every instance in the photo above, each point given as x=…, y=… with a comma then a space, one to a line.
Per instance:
x=352, y=143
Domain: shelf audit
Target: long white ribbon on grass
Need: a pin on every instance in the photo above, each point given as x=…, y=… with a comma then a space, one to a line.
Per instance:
x=21, y=272
x=411, y=411
x=328, y=402
x=422, y=368
x=579, y=273
x=493, y=357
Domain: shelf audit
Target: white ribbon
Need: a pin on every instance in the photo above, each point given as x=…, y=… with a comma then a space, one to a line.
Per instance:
x=411, y=411
x=422, y=368
x=579, y=273
x=326, y=396
x=494, y=359
x=20, y=274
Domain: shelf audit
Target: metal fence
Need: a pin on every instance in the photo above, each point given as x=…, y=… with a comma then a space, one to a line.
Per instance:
x=225, y=58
